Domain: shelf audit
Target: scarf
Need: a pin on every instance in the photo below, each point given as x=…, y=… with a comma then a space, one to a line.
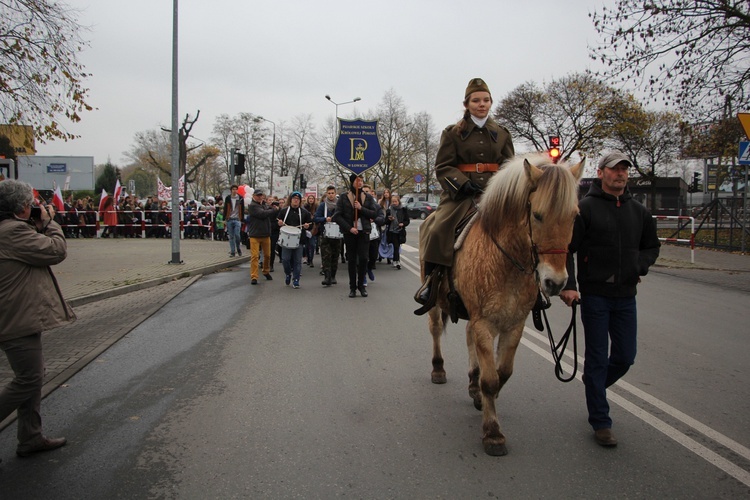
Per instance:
x=479, y=122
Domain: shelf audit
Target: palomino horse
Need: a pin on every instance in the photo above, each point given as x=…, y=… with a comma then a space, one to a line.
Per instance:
x=515, y=247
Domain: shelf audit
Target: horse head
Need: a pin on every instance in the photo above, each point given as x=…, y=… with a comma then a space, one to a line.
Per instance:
x=553, y=206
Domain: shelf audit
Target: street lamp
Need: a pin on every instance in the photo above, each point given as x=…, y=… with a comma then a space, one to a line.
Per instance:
x=273, y=150
x=337, y=104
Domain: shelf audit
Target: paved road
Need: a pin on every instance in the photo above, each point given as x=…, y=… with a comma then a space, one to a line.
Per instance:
x=270, y=392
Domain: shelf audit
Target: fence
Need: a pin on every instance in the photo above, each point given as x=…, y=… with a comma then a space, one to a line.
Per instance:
x=144, y=224
x=690, y=241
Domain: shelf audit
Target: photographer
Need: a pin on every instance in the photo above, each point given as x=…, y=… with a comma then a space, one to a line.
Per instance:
x=32, y=303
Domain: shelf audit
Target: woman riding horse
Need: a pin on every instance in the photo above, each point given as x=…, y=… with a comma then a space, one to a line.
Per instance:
x=471, y=152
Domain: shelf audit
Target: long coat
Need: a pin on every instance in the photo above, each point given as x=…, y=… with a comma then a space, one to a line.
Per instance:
x=489, y=144
x=30, y=297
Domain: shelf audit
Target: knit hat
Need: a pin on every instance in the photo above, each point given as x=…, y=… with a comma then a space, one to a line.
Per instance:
x=352, y=177
x=611, y=159
x=297, y=194
x=476, y=85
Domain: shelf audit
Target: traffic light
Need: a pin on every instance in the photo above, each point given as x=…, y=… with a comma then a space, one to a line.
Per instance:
x=695, y=183
x=302, y=181
x=239, y=167
x=555, y=149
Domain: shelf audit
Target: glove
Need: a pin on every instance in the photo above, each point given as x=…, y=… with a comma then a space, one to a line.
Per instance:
x=469, y=190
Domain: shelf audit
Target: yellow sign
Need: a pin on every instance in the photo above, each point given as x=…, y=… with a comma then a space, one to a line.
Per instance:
x=21, y=138
x=745, y=121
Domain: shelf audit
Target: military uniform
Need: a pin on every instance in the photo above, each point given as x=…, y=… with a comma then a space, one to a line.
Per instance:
x=483, y=148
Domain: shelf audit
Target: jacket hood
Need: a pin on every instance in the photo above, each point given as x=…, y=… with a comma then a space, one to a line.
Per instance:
x=596, y=190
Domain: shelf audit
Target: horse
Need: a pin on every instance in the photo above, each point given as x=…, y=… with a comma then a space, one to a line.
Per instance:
x=514, y=248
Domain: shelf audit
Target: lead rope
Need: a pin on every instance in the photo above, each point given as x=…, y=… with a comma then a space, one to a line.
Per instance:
x=558, y=348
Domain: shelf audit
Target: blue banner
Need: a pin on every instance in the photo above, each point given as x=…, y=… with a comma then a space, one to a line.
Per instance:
x=358, y=146
x=57, y=168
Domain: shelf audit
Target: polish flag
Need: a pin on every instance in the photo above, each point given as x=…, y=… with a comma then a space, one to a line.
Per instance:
x=101, y=200
x=118, y=192
x=57, y=200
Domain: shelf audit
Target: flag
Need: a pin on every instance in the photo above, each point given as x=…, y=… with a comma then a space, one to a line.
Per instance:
x=37, y=197
x=118, y=192
x=101, y=200
x=57, y=200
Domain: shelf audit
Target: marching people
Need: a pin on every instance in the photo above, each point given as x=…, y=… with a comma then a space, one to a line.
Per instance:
x=32, y=303
x=384, y=202
x=234, y=214
x=377, y=225
x=615, y=240
x=294, y=217
x=279, y=203
x=311, y=205
x=470, y=153
x=396, y=223
x=259, y=217
x=356, y=231
x=329, y=242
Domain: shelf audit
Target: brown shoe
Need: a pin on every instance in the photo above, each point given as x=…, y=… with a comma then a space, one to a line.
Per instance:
x=44, y=444
x=604, y=437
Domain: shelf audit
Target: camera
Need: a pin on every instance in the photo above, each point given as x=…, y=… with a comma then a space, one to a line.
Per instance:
x=36, y=213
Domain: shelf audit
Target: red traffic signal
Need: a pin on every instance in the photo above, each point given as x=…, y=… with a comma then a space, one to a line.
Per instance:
x=554, y=151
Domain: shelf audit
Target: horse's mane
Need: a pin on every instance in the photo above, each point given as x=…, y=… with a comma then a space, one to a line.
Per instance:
x=506, y=194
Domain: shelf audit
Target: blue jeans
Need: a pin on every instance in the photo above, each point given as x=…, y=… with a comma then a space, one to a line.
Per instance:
x=605, y=319
x=291, y=258
x=233, y=231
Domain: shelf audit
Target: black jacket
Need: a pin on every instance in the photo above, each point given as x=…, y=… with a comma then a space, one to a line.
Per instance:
x=344, y=215
x=616, y=242
x=259, y=219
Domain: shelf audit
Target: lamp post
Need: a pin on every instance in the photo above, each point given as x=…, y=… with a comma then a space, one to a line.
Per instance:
x=337, y=104
x=273, y=151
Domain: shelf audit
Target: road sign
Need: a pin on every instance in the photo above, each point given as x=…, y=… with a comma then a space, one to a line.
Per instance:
x=745, y=121
x=744, y=155
x=418, y=178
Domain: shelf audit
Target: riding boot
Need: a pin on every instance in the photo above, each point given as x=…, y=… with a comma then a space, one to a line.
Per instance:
x=427, y=295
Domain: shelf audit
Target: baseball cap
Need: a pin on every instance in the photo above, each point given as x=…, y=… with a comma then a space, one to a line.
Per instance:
x=611, y=159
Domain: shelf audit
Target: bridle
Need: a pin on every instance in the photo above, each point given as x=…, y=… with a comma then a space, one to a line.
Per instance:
x=543, y=302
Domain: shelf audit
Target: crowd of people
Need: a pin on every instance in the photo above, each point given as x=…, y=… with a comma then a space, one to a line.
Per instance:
x=352, y=226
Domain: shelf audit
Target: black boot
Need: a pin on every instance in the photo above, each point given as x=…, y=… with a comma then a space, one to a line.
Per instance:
x=352, y=293
x=333, y=278
x=327, y=280
x=362, y=290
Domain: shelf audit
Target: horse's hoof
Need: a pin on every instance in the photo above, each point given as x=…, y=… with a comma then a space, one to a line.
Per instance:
x=439, y=378
x=494, y=449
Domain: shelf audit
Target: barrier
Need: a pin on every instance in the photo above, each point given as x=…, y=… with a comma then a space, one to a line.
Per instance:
x=691, y=241
x=141, y=227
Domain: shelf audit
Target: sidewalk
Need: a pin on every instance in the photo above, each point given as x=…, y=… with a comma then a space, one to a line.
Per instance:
x=100, y=268
x=116, y=284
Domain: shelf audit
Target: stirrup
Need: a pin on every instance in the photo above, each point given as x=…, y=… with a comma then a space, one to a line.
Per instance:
x=431, y=283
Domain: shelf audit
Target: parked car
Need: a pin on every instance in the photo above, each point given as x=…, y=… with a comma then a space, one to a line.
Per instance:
x=420, y=209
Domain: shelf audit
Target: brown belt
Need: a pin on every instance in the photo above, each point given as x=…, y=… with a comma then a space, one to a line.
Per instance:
x=478, y=167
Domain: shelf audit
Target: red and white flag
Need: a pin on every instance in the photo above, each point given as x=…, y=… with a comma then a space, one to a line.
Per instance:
x=37, y=196
x=101, y=200
x=57, y=200
x=118, y=192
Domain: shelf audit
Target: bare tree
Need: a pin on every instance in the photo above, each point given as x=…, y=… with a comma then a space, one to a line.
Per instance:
x=692, y=54
x=569, y=108
x=426, y=139
x=41, y=80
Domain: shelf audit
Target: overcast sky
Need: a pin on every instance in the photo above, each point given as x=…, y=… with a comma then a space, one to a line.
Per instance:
x=279, y=59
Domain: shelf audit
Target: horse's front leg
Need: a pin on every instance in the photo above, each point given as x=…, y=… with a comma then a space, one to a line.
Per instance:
x=474, y=392
x=489, y=385
x=437, y=319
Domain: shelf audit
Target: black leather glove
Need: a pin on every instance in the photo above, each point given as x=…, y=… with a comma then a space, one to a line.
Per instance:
x=469, y=190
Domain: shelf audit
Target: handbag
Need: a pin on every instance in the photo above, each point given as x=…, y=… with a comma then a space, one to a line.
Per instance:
x=385, y=249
